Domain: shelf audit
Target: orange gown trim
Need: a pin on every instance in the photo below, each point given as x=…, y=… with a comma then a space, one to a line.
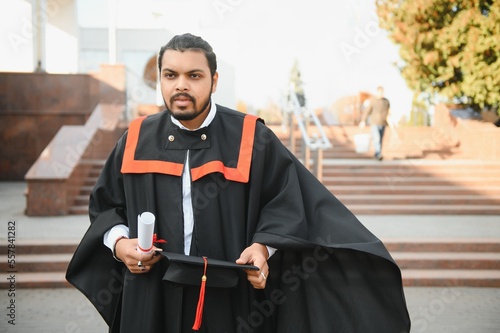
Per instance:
x=241, y=173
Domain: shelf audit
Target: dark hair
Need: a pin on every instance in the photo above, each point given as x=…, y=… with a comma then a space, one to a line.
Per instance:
x=193, y=43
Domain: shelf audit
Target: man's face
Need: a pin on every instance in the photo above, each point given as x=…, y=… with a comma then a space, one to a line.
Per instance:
x=186, y=86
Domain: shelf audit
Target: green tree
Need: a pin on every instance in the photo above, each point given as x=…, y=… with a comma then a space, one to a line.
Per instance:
x=449, y=48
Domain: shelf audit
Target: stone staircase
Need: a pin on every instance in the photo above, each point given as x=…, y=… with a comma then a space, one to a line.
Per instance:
x=427, y=186
x=416, y=177
x=416, y=187
x=448, y=263
x=80, y=206
x=394, y=186
x=39, y=264
x=443, y=263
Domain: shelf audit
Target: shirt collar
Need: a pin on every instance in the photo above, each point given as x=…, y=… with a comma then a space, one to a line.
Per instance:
x=206, y=122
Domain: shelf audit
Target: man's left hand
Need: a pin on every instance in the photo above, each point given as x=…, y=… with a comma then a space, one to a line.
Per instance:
x=256, y=254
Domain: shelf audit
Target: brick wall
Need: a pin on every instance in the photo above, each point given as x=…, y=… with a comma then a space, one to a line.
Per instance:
x=33, y=107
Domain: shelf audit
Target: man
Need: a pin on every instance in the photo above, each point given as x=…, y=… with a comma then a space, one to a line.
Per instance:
x=222, y=186
x=378, y=111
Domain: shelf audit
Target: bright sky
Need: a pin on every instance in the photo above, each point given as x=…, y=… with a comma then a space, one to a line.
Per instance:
x=338, y=44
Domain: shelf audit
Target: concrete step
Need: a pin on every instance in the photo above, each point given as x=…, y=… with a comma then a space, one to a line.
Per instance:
x=95, y=172
x=394, y=186
x=81, y=200
x=86, y=189
x=447, y=260
x=395, y=209
x=420, y=199
x=444, y=173
x=417, y=164
x=417, y=181
x=34, y=280
x=443, y=245
x=486, y=278
x=79, y=209
x=41, y=246
x=90, y=181
x=28, y=263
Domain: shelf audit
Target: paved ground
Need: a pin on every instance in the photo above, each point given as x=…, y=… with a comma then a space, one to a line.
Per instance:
x=453, y=310
x=449, y=309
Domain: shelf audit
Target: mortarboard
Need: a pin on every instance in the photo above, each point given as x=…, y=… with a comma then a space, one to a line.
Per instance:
x=202, y=271
x=189, y=270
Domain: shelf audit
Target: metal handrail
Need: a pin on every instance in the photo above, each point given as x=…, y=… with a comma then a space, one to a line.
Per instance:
x=305, y=118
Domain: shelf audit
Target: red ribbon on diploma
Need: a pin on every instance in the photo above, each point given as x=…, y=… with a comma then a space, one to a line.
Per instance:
x=155, y=240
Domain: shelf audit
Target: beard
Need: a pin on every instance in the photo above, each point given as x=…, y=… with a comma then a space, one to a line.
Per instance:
x=184, y=113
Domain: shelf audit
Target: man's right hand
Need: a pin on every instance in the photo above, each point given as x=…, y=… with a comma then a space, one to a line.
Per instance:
x=136, y=262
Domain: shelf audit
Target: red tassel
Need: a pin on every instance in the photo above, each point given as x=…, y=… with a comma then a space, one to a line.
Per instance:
x=201, y=300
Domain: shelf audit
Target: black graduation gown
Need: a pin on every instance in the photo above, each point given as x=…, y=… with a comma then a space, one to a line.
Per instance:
x=330, y=274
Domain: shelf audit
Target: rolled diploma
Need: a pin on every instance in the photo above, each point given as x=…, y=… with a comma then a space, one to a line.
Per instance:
x=145, y=229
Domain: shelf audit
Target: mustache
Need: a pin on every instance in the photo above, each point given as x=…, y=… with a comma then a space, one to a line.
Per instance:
x=185, y=95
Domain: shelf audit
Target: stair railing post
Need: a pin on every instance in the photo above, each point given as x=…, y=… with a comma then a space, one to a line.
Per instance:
x=291, y=128
x=319, y=164
x=306, y=150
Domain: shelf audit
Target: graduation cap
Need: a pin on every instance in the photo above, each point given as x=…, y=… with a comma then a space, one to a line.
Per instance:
x=202, y=271
x=188, y=270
